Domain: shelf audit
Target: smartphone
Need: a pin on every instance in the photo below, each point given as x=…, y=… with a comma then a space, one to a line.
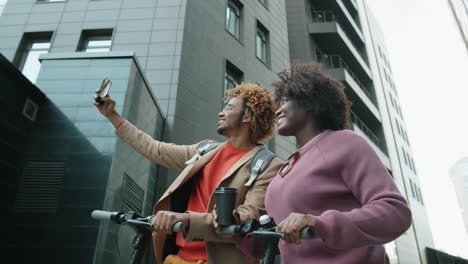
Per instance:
x=103, y=91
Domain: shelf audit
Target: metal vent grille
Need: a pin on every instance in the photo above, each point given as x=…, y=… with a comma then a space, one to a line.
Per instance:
x=40, y=186
x=132, y=195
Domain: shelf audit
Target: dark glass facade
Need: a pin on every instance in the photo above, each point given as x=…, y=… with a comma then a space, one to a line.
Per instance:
x=68, y=161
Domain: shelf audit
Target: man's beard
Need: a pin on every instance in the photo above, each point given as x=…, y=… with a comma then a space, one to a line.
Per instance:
x=222, y=129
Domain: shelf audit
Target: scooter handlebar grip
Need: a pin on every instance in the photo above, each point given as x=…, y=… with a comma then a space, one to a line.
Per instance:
x=102, y=215
x=178, y=227
x=307, y=232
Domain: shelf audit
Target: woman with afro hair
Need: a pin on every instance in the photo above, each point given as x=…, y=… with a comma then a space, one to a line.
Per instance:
x=334, y=182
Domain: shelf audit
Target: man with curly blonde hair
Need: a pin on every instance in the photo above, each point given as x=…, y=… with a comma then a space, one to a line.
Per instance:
x=247, y=121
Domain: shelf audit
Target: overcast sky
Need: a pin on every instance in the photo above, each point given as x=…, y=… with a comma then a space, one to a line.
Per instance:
x=430, y=69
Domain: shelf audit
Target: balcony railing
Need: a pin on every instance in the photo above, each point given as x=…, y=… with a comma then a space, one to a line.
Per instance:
x=335, y=61
x=323, y=16
x=358, y=122
x=329, y=16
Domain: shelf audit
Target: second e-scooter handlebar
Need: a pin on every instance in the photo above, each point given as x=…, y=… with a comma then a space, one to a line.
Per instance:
x=265, y=227
x=266, y=230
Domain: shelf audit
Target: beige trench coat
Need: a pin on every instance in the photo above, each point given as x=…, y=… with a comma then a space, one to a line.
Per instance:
x=250, y=200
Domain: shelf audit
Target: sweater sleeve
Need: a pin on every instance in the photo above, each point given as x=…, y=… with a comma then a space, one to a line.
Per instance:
x=167, y=154
x=384, y=214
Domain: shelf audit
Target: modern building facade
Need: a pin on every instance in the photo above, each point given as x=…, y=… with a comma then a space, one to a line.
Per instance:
x=170, y=62
x=459, y=177
x=344, y=36
x=460, y=13
x=62, y=161
x=403, y=168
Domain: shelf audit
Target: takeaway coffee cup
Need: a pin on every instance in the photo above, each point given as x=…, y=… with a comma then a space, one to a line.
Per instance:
x=225, y=199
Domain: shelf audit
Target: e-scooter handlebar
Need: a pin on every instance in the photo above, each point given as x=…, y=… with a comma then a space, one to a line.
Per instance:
x=306, y=233
x=131, y=218
x=142, y=225
x=264, y=228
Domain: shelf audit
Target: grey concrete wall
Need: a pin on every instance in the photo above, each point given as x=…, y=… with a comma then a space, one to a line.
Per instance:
x=152, y=29
x=182, y=56
x=206, y=47
x=300, y=42
x=304, y=45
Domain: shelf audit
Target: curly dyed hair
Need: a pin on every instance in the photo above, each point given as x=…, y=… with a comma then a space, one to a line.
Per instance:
x=320, y=94
x=259, y=106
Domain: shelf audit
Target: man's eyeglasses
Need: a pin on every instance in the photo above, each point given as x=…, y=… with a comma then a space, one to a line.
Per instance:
x=227, y=107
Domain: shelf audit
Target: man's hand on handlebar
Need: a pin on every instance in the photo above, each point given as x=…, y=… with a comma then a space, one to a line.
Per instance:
x=165, y=220
x=292, y=225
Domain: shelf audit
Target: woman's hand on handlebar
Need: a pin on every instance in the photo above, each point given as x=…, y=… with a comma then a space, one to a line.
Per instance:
x=165, y=220
x=292, y=225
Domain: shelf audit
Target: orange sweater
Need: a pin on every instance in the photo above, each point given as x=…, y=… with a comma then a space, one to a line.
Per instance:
x=212, y=174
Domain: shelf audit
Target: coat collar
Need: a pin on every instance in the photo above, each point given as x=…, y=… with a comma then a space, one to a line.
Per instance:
x=193, y=168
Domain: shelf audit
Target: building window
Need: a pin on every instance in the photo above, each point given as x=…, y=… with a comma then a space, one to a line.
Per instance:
x=50, y=1
x=391, y=100
x=232, y=77
x=27, y=57
x=412, y=165
x=261, y=43
x=398, y=126
x=416, y=190
x=412, y=189
x=233, y=15
x=420, y=196
x=95, y=40
x=404, y=155
x=386, y=76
